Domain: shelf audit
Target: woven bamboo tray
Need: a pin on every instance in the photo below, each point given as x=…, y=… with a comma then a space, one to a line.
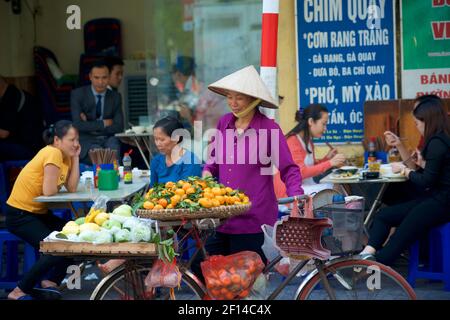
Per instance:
x=223, y=212
x=66, y=248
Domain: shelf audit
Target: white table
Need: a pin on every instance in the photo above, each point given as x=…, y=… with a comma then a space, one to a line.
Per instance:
x=142, y=141
x=358, y=181
x=64, y=199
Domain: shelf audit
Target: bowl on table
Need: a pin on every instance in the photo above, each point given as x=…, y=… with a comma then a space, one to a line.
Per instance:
x=346, y=172
x=138, y=129
x=386, y=170
x=346, y=169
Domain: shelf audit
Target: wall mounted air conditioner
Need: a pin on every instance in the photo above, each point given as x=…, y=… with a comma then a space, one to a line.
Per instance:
x=134, y=90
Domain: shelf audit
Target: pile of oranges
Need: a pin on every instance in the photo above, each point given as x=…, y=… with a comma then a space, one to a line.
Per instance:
x=193, y=193
x=231, y=277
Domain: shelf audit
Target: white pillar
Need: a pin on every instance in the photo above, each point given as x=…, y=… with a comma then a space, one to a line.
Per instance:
x=269, y=43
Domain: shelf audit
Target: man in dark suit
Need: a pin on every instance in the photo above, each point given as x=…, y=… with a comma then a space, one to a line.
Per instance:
x=21, y=123
x=97, y=113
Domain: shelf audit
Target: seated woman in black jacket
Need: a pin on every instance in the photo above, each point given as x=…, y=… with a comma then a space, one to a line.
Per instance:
x=415, y=218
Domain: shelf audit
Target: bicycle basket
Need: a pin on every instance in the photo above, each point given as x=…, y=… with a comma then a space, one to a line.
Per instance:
x=299, y=237
x=345, y=236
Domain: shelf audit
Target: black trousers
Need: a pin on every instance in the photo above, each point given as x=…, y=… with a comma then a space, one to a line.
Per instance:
x=412, y=219
x=398, y=193
x=33, y=228
x=226, y=244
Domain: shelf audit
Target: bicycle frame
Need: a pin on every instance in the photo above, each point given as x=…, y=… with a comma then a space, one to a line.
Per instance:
x=294, y=272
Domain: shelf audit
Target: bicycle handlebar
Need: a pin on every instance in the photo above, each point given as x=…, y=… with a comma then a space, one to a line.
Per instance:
x=292, y=199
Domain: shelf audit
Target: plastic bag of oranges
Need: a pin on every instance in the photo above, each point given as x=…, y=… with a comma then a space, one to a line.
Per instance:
x=231, y=277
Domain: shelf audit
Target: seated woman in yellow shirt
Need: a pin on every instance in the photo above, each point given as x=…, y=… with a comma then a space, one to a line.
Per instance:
x=55, y=165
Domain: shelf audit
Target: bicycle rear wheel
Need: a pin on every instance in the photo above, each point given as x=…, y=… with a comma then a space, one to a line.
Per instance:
x=354, y=279
x=128, y=284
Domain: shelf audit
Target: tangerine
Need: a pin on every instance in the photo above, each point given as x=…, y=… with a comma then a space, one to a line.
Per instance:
x=190, y=190
x=205, y=202
x=148, y=205
x=209, y=195
x=175, y=199
x=215, y=203
x=216, y=191
x=169, y=184
x=180, y=192
x=235, y=278
x=186, y=186
x=221, y=199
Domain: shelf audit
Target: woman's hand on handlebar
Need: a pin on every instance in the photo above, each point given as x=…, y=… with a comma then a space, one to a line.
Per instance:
x=292, y=199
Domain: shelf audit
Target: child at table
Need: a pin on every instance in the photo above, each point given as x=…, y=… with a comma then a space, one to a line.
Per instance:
x=55, y=165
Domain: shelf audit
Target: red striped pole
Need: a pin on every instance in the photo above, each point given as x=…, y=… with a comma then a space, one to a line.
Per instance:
x=269, y=49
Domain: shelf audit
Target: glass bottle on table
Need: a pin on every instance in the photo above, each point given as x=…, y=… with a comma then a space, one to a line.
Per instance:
x=393, y=155
x=127, y=170
x=372, y=154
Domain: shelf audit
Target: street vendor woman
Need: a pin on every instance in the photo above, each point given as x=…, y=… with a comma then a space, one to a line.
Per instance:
x=243, y=154
x=55, y=165
x=173, y=163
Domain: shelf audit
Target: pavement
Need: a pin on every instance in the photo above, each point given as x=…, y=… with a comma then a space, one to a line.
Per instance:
x=425, y=289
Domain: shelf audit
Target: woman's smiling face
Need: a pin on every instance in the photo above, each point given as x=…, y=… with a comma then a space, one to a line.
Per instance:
x=238, y=102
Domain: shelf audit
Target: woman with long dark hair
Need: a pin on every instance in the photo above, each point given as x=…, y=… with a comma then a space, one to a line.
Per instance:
x=312, y=123
x=54, y=166
x=415, y=218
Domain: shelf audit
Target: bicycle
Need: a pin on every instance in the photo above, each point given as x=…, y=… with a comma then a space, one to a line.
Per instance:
x=128, y=281
x=347, y=277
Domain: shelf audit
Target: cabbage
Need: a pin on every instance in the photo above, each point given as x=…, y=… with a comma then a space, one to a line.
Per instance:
x=130, y=224
x=115, y=217
x=87, y=235
x=122, y=236
x=140, y=233
x=123, y=210
x=114, y=230
x=103, y=237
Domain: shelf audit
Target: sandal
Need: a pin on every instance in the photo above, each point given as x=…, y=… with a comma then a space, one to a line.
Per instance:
x=46, y=293
x=24, y=297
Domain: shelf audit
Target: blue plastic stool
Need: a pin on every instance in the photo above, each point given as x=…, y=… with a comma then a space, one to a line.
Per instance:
x=189, y=243
x=9, y=273
x=3, y=194
x=439, y=258
x=64, y=214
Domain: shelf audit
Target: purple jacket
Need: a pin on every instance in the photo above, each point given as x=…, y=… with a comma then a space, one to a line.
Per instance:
x=238, y=161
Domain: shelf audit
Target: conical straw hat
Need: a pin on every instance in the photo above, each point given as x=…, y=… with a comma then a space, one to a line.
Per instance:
x=246, y=81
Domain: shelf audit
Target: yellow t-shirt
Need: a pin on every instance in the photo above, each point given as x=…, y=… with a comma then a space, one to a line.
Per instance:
x=29, y=183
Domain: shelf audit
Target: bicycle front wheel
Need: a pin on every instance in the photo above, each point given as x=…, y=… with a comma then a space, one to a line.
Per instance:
x=354, y=279
x=128, y=284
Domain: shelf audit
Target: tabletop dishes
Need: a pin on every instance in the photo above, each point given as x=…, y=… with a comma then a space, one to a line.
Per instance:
x=139, y=129
x=346, y=172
